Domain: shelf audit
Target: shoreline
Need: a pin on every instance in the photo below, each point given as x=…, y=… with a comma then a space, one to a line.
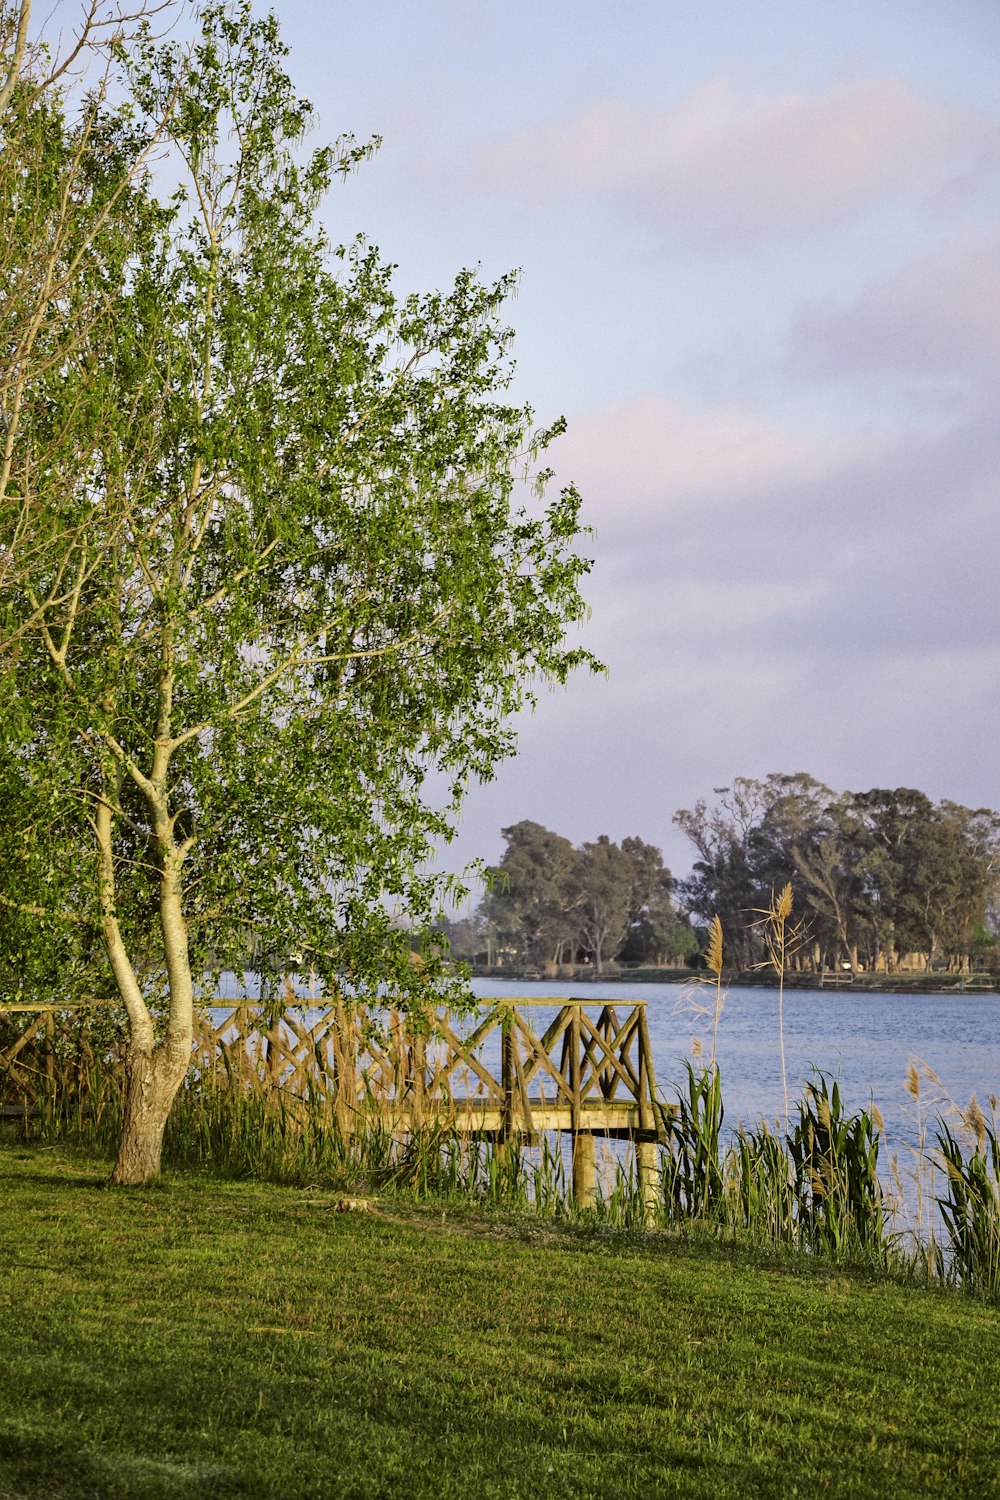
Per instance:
x=867, y=984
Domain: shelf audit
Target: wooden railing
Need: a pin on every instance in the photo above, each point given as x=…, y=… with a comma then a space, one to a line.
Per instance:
x=589, y=1072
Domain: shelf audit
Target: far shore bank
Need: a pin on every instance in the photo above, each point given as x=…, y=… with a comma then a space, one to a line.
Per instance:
x=867, y=983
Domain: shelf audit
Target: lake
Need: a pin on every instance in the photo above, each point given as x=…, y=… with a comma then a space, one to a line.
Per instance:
x=865, y=1040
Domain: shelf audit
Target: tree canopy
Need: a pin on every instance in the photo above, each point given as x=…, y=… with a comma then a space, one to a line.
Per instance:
x=290, y=580
x=550, y=904
x=881, y=879
x=879, y=875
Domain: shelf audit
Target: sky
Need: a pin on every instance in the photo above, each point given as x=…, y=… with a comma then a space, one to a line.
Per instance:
x=760, y=276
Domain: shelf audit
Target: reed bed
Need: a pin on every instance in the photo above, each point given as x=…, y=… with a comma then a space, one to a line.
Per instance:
x=811, y=1186
x=970, y=1204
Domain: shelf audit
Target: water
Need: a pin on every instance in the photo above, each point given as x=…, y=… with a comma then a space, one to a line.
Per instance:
x=864, y=1040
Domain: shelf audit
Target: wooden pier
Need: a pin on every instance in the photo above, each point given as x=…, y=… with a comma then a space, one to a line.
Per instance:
x=497, y=1076
x=589, y=1073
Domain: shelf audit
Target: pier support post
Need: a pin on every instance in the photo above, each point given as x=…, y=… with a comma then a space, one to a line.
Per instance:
x=584, y=1170
x=648, y=1161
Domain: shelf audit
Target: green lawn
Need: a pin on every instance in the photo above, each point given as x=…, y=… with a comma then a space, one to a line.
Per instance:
x=211, y=1338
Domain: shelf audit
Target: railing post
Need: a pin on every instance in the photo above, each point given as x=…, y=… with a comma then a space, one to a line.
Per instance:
x=508, y=1083
x=584, y=1163
x=418, y=1074
x=50, y=1066
x=345, y=1070
x=508, y=1071
x=646, y=1151
x=584, y=1169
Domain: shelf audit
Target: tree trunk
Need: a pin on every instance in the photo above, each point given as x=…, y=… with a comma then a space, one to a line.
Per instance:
x=152, y=1078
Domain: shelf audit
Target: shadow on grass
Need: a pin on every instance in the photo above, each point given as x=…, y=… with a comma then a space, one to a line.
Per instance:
x=35, y=1465
x=60, y=1180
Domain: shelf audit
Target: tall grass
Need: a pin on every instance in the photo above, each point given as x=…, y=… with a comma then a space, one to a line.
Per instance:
x=692, y=1164
x=761, y=1198
x=714, y=964
x=57, y=1070
x=839, y=1199
x=244, y=1132
x=782, y=939
x=812, y=1183
x=970, y=1203
x=813, y=1186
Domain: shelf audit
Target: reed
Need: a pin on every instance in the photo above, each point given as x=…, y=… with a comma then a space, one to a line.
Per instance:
x=760, y=1182
x=812, y=1185
x=237, y=1131
x=551, y=1192
x=714, y=965
x=970, y=1202
x=691, y=1003
x=56, y=1066
x=782, y=938
x=839, y=1199
x=692, y=1167
x=932, y=1105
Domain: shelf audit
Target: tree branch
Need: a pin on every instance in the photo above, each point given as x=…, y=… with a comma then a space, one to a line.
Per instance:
x=17, y=56
x=31, y=910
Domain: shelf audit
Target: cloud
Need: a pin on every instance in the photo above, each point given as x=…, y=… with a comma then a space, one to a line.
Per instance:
x=721, y=534
x=858, y=638
x=747, y=166
x=642, y=458
x=939, y=315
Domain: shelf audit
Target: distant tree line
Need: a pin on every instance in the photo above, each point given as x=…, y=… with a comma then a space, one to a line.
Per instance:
x=549, y=904
x=882, y=879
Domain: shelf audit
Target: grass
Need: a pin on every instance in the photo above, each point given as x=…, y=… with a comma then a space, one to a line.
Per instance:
x=813, y=1185
x=970, y=1206
x=222, y=1338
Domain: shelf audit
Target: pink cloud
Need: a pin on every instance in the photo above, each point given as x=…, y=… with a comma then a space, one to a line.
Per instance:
x=751, y=165
x=941, y=312
x=652, y=457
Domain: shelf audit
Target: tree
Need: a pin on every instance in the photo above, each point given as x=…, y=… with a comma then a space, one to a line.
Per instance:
x=893, y=824
x=722, y=882
x=656, y=932
x=467, y=939
x=606, y=880
x=793, y=835
x=301, y=576
x=101, y=27
x=69, y=208
x=928, y=871
x=879, y=874
x=70, y=187
x=533, y=895
x=827, y=865
x=548, y=900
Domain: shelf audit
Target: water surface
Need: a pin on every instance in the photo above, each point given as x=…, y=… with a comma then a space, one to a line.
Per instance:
x=866, y=1040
